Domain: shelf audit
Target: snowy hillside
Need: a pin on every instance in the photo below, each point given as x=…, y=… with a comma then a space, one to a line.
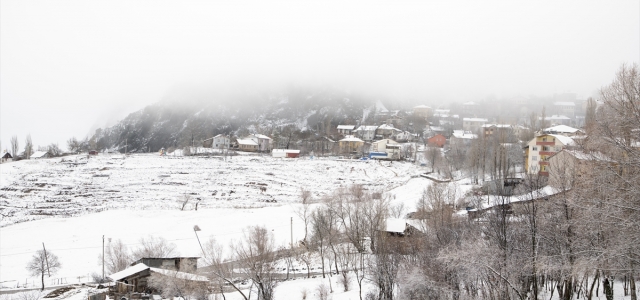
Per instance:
x=70, y=186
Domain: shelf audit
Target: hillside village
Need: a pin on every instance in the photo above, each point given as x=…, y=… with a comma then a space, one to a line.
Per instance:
x=377, y=207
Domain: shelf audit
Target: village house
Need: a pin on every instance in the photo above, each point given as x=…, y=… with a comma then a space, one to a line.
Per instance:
x=40, y=154
x=219, y=141
x=263, y=141
x=503, y=131
x=422, y=111
x=568, y=166
x=563, y=130
x=386, y=131
x=350, y=144
x=345, y=129
x=6, y=157
x=461, y=138
x=365, y=132
x=391, y=148
x=247, y=145
x=473, y=124
x=132, y=281
x=565, y=108
x=557, y=120
x=437, y=140
x=403, y=136
x=541, y=148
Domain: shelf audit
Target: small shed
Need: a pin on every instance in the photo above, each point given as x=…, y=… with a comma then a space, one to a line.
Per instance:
x=285, y=153
x=93, y=152
x=39, y=155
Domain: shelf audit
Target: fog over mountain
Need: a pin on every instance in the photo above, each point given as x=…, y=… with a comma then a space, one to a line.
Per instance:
x=69, y=68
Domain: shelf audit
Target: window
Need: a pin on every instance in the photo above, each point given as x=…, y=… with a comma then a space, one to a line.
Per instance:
x=558, y=148
x=545, y=148
x=534, y=158
x=534, y=148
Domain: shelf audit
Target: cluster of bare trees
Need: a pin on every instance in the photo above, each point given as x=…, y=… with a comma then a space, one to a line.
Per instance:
x=118, y=256
x=573, y=241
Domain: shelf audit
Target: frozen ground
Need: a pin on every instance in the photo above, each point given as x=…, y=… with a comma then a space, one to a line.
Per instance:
x=70, y=203
x=68, y=208
x=76, y=185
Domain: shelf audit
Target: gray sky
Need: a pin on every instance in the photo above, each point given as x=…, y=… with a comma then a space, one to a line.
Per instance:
x=68, y=67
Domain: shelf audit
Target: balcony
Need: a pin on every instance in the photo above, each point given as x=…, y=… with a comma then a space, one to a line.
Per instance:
x=543, y=173
x=540, y=143
x=547, y=153
x=543, y=163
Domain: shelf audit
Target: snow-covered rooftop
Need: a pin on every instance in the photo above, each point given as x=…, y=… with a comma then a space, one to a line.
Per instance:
x=561, y=129
x=38, y=154
x=128, y=271
x=565, y=140
x=347, y=127
x=395, y=225
x=247, y=142
x=564, y=103
x=351, y=138
x=475, y=120
x=461, y=134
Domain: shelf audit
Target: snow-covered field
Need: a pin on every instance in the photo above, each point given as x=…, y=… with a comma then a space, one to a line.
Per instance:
x=69, y=204
x=76, y=185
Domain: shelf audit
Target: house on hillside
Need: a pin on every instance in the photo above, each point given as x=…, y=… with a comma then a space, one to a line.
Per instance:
x=254, y=143
x=350, y=144
x=541, y=148
x=386, y=131
x=557, y=120
x=366, y=133
x=40, y=154
x=568, y=166
x=563, y=130
x=392, y=149
x=398, y=235
x=219, y=141
x=6, y=157
x=437, y=140
x=132, y=281
x=503, y=132
x=247, y=145
x=462, y=138
x=345, y=129
x=422, y=111
x=473, y=124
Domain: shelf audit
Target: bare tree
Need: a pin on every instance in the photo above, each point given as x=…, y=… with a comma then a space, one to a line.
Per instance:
x=28, y=147
x=43, y=262
x=14, y=146
x=221, y=272
x=54, y=150
x=155, y=247
x=177, y=283
x=116, y=257
x=256, y=257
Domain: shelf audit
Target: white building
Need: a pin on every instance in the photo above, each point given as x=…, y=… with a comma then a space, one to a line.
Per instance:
x=473, y=124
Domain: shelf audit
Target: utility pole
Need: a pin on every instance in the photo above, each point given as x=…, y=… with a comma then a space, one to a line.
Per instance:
x=291, y=233
x=195, y=230
x=46, y=258
x=103, y=257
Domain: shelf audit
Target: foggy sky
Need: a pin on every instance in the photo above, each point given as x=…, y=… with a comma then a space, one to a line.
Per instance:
x=68, y=67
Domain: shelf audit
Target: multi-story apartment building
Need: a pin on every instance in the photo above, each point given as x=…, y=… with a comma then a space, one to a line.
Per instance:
x=541, y=148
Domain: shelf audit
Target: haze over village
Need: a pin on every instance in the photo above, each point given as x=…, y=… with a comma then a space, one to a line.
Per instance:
x=287, y=150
